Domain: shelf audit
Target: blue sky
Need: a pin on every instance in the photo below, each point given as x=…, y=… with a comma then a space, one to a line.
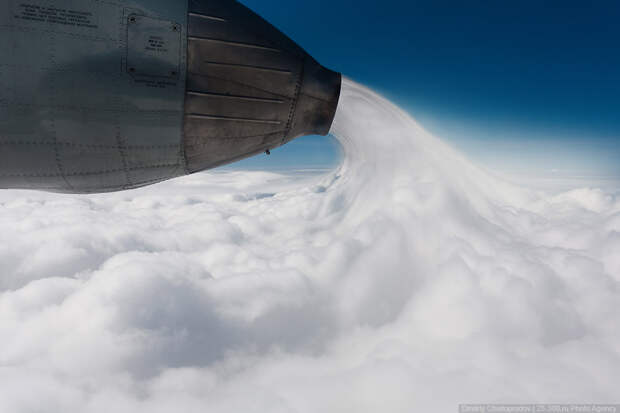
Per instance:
x=520, y=86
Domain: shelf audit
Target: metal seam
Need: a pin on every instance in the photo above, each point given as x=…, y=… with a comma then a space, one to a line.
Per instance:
x=235, y=44
x=298, y=85
x=88, y=146
x=123, y=46
x=235, y=82
x=103, y=172
x=206, y=16
x=182, y=153
x=59, y=164
x=5, y=103
x=230, y=137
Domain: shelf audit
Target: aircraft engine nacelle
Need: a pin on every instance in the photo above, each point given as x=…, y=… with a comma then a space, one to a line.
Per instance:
x=100, y=96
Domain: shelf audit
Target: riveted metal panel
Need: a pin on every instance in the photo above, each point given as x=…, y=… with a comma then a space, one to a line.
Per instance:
x=104, y=95
x=72, y=116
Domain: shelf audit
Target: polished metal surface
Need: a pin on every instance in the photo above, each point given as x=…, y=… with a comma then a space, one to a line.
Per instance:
x=100, y=96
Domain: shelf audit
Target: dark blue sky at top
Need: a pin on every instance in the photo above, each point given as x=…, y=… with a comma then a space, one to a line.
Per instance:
x=509, y=82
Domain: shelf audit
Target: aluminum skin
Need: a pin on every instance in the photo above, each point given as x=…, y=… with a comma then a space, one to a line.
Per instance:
x=100, y=96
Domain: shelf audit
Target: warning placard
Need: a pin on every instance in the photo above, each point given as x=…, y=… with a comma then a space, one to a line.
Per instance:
x=83, y=17
x=55, y=15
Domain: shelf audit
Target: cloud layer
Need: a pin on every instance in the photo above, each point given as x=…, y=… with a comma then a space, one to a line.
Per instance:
x=406, y=280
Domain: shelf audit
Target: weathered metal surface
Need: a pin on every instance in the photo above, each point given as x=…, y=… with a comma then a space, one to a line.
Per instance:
x=105, y=95
x=73, y=118
x=249, y=87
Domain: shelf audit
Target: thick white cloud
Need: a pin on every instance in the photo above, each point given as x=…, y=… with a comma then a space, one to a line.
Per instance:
x=407, y=280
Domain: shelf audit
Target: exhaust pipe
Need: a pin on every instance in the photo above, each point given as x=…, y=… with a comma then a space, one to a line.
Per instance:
x=99, y=97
